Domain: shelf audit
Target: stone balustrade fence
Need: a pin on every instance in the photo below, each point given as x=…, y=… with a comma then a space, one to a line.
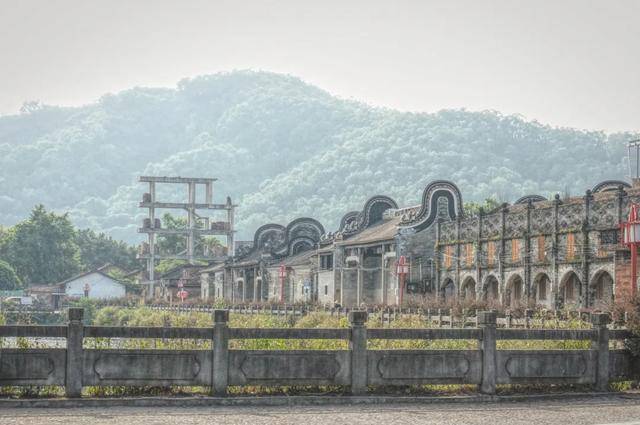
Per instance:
x=356, y=368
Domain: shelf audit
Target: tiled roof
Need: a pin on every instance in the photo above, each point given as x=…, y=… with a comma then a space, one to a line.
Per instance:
x=384, y=231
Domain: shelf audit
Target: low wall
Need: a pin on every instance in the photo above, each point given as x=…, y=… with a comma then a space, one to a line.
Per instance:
x=356, y=368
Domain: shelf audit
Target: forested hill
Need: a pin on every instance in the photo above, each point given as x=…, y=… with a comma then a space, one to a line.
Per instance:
x=282, y=149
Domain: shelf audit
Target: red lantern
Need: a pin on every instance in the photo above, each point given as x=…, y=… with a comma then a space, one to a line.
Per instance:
x=182, y=294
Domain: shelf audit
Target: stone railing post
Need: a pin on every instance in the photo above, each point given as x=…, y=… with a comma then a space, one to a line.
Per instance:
x=358, y=347
x=73, y=375
x=220, y=365
x=487, y=322
x=528, y=318
x=601, y=345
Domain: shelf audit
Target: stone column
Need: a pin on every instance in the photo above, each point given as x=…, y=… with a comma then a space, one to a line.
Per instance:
x=487, y=322
x=601, y=345
x=358, y=347
x=220, y=365
x=555, y=282
x=586, y=251
x=479, y=254
x=527, y=255
x=503, y=230
x=75, y=330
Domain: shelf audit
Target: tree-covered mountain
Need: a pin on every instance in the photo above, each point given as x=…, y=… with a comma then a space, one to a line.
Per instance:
x=281, y=149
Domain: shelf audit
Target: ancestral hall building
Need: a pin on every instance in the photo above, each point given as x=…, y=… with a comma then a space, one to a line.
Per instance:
x=553, y=253
x=538, y=251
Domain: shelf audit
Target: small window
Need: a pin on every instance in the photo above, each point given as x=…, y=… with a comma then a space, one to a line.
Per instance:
x=326, y=289
x=326, y=262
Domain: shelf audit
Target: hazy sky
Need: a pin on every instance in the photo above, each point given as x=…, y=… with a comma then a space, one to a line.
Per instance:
x=568, y=63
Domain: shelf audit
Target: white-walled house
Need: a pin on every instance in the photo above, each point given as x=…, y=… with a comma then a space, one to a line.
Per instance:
x=94, y=285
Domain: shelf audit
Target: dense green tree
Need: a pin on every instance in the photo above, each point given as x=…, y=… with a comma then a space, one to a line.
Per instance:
x=42, y=249
x=9, y=280
x=98, y=249
x=176, y=244
x=489, y=204
x=282, y=149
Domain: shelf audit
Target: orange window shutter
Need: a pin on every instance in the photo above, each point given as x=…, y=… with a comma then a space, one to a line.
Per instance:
x=541, y=249
x=469, y=253
x=571, y=246
x=447, y=256
x=491, y=252
x=515, y=250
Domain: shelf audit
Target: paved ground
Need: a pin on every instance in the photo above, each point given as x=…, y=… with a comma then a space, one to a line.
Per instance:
x=616, y=410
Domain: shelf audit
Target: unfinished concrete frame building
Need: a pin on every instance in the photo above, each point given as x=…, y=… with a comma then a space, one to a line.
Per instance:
x=199, y=223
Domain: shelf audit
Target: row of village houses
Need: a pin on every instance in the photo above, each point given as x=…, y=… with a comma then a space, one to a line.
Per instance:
x=550, y=252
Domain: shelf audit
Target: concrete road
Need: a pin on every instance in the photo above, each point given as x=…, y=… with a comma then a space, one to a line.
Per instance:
x=612, y=410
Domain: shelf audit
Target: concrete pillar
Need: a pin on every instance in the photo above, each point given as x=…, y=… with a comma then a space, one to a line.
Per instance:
x=209, y=193
x=220, y=369
x=151, y=262
x=75, y=330
x=358, y=347
x=191, y=221
x=487, y=322
x=601, y=345
x=230, y=219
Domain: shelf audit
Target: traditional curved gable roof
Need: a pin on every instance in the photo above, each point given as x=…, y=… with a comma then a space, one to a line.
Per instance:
x=530, y=198
x=427, y=214
x=279, y=241
x=610, y=185
x=372, y=213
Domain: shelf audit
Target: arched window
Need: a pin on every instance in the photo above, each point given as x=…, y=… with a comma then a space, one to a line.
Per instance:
x=602, y=290
x=491, y=291
x=448, y=290
x=469, y=289
x=570, y=288
x=515, y=291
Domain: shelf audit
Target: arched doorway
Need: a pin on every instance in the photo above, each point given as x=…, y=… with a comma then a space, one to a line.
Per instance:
x=490, y=290
x=469, y=289
x=542, y=289
x=448, y=290
x=602, y=290
x=513, y=297
x=570, y=288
